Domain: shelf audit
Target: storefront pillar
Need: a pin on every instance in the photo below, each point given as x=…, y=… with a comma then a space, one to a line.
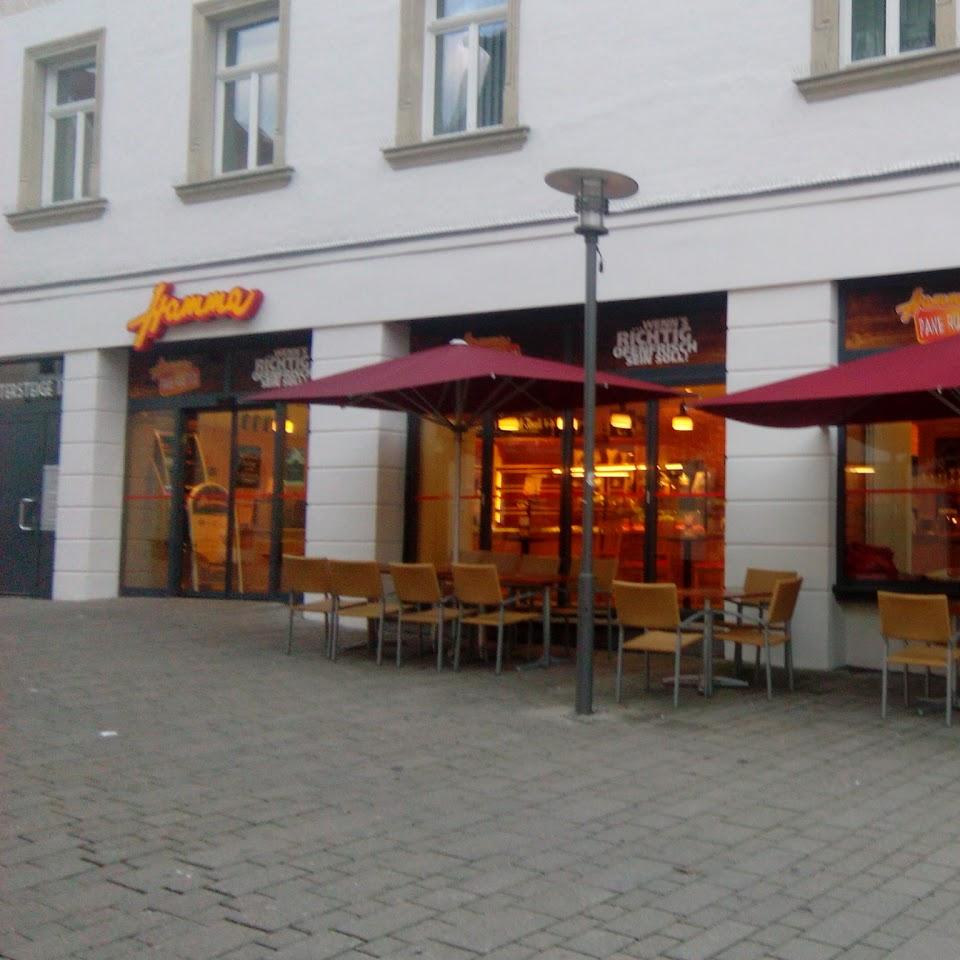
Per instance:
x=90, y=505
x=781, y=483
x=355, y=478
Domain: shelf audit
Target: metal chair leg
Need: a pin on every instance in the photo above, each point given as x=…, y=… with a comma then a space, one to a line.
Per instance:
x=766, y=651
x=439, y=641
x=290, y=625
x=788, y=656
x=619, y=683
x=906, y=685
x=646, y=671
x=499, y=667
x=676, y=677
x=400, y=639
x=951, y=684
x=737, y=660
x=883, y=689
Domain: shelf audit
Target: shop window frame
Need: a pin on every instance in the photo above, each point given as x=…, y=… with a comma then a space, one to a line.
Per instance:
x=832, y=74
x=845, y=589
x=415, y=143
x=41, y=63
x=205, y=179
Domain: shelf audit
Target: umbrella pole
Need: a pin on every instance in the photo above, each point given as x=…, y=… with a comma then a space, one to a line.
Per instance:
x=457, y=481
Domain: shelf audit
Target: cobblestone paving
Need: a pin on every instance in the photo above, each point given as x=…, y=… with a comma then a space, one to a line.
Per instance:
x=176, y=788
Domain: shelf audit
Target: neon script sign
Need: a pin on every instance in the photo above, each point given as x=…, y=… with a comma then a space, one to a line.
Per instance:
x=935, y=316
x=166, y=311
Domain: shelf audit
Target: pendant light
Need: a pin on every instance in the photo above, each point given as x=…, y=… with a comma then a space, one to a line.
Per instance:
x=682, y=422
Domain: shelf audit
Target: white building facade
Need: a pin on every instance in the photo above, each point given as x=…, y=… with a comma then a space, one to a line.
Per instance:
x=374, y=171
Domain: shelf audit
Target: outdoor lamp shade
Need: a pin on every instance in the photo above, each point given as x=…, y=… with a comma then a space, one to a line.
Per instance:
x=682, y=422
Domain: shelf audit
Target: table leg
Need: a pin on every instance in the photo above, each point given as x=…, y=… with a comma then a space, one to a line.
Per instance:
x=707, y=648
x=545, y=660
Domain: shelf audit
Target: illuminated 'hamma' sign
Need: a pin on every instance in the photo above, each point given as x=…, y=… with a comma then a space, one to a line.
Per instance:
x=166, y=310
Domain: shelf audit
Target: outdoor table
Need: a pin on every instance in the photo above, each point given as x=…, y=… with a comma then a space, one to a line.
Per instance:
x=703, y=597
x=545, y=582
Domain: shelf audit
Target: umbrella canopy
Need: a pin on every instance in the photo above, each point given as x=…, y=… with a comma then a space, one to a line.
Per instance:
x=456, y=385
x=919, y=382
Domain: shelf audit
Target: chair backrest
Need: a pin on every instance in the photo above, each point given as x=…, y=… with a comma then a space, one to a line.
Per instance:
x=784, y=600
x=652, y=605
x=504, y=562
x=921, y=618
x=536, y=564
x=760, y=580
x=305, y=574
x=356, y=578
x=604, y=572
x=477, y=583
x=416, y=582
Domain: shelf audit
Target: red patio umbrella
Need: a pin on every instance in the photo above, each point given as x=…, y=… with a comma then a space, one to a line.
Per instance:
x=457, y=385
x=919, y=382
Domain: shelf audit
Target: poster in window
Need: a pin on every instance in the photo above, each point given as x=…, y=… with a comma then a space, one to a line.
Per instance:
x=249, y=459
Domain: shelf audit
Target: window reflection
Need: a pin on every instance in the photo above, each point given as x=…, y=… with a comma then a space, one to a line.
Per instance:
x=902, y=493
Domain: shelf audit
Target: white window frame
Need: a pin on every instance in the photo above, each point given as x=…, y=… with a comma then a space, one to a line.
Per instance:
x=437, y=26
x=415, y=142
x=248, y=71
x=891, y=41
x=54, y=112
x=35, y=207
x=205, y=177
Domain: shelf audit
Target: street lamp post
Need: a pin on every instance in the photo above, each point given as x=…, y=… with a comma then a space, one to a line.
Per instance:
x=593, y=190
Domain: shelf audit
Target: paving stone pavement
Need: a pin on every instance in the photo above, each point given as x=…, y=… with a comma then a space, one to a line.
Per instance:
x=175, y=788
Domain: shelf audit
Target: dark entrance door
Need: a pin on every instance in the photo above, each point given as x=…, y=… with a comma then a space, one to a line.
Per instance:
x=26, y=548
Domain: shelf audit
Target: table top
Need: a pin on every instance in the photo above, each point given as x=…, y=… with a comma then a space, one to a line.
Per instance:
x=721, y=593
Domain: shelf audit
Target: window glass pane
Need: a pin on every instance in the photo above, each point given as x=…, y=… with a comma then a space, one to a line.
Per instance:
x=267, y=119
x=87, y=151
x=151, y=450
x=76, y=83
x=450, y=102
x=236, y=124
x=64, y=155
x=252, y=43
x=691, y=497
x=902, y=492
x=868, y=29
x=452, y=8
x=917, y=24
x=492, y=69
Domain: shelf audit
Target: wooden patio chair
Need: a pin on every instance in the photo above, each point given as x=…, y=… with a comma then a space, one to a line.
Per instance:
x=653, y=608
x=421, y=602
x=922, y=624
x=360, y=584
x=771, y=628
x=481, y=603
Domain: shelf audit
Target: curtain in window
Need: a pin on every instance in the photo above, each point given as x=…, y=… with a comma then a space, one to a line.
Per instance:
x=917, y=24
x=453, y=63
x=492, y=70
x=868, y=29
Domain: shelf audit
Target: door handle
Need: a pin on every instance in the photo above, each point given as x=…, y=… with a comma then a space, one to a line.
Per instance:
x=25, y=504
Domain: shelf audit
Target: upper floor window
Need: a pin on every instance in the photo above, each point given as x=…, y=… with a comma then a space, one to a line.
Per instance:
x=70, y=121
x=60, y=133
x=860, y=45
x=468, y=45
x=457, y=91
x=883, y=28
x=247, y=62
x=238, y=82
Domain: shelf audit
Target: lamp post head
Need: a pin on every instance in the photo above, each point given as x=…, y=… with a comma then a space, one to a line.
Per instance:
x=593, y=189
